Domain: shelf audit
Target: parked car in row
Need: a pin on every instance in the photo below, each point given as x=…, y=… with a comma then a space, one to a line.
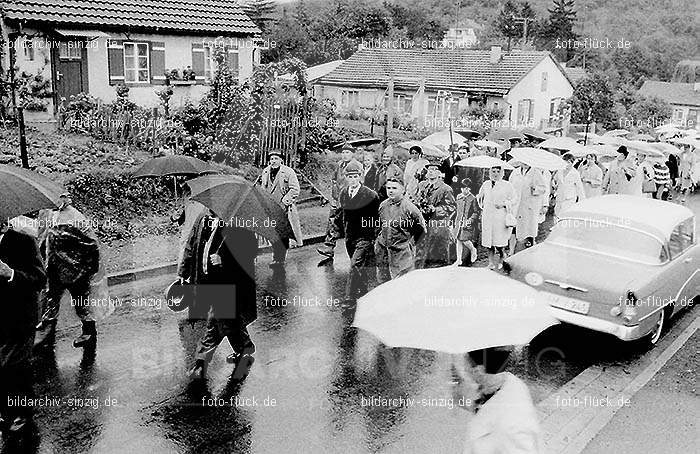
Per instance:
x=617, y=264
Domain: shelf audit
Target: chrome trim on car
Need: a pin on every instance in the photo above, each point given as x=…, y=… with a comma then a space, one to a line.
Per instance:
x=565, y=286
x=641, y=319
x=625, y=333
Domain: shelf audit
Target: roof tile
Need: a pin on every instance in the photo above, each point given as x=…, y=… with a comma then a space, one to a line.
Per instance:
x=200, y=16
x=672, y=92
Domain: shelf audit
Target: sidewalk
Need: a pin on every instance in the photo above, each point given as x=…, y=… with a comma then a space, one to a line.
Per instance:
x=663, y=416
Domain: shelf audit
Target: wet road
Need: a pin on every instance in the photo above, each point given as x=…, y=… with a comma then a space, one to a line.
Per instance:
x=307, y=391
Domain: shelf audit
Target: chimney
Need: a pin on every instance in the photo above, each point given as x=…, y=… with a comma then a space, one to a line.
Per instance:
x=496, y=55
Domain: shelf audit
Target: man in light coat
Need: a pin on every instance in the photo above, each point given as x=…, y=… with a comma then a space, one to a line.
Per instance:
x=400, y=226
x=532, y=191
x=282, y=183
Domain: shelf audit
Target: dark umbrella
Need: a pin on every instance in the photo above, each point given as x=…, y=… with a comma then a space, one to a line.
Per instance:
x=505, y=134
x=23, y=191
x=240, y=203
x=173, y=165
x=538, y=135
x=357, y=143
x=467, y=133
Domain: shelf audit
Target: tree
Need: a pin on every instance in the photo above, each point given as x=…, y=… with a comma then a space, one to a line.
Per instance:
x=592, y=94
x=505, y=23
x=648, y=112
x=559, y=28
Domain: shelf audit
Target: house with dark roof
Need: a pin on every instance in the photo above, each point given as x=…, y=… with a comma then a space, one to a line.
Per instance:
x=684, y=99
x=432, y=85
x=92, y=46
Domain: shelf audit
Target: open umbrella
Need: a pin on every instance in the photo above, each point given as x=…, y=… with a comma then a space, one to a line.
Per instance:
x=617, y=132
x=666, y=148
x=483, y=162
x=467, y=133
x=443, y=139
x=357, y=143
x=538, y=158
x=173, y=165
x=428, y=149
x=560, y=143
x=643, y=137
x=487, y=144
x=240, y=203
x=505, y=134
x=23, y=191
x=644, y=147
x=537, y=135
x=607, y=151
x=453, y=310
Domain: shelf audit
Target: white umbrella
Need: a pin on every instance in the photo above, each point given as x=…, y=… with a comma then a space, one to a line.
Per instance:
x=442, y=138
x=560, y=143
x=538, y=158
x=487, y=144
x=453, y=310
x=608, y=151
x=687, y=141
x=666, y=148
x=617, y=132
x=428, y=149
x=483, y=162
x=667, y=129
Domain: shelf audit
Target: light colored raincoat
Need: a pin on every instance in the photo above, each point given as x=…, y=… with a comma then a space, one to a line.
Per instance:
x=285, y=189
x=493, y=220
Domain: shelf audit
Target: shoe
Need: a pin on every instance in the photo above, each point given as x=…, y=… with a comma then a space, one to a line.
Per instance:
x=89, y=337
x=198, y=370
x=45, y=334
x=326, y=251
x=240, y=372
x=348, y=303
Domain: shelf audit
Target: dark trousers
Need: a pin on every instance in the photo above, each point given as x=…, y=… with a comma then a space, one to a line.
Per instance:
x=79, y=292
x=217, y=329
x=16, y=382
x=432, y=249
x=279, y=250
x=333, y=229
x=362, y=266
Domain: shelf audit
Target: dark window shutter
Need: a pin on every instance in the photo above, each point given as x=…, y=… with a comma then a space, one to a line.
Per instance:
x=157, y=63
x=232, y=60
x=198, y=61
x=115, y=61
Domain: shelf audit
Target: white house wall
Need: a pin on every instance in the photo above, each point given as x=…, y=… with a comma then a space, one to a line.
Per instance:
x=529, y=87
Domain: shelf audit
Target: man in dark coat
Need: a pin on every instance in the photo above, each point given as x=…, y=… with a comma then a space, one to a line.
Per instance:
x=223, y=258
x=437, y=205
x=21, y=279
x=335, y=221
x=360, y=207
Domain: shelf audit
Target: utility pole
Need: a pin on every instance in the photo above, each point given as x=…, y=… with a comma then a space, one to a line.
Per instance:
x=524, y=21
x=19, y=109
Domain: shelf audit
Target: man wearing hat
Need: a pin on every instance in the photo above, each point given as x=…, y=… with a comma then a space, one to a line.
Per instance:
x=400, y=227
x=620, y=173
x=72, y=257
x=414, y=171
x=282, y=183
x=437, y=204
x=360, y=207
x=387, y=169
x=335, y=221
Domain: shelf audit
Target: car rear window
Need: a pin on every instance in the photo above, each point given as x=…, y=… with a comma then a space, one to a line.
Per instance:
x=608, y=239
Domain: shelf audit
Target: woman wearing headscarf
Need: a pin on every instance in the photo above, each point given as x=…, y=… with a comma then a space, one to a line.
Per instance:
x=569, y=186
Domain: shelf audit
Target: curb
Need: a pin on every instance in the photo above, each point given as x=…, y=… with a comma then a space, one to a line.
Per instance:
x=137, y=274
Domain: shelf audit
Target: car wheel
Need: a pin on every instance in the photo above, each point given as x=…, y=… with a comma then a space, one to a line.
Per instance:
x=659, y=327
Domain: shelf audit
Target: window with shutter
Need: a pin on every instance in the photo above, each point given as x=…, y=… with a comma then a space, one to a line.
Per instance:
x=137, y=63
x=115, y=61
x=232, y=60
x=198, y=57
x=158, y=63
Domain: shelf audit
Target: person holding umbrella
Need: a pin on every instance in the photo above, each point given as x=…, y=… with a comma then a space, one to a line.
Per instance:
x=21, y=279
x=465, y=229
x=400, y=226
x=227, y=286
x=282, y=183
x=415, y=167
x=360, y=207
x=532, y=191
x=591, y=176
x=569, y=186
x=620, y=173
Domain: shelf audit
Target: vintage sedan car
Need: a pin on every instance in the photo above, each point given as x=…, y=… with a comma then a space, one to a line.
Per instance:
x=617, y=264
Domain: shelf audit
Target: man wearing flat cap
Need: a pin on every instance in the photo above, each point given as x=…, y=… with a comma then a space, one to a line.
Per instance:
x=282, y=183
x=400, y=227
x=387, y=169
x=335, y=221
x=360, y=207
x=437, y=204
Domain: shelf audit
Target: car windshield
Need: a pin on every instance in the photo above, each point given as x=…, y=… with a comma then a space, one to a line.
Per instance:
x=608, y=239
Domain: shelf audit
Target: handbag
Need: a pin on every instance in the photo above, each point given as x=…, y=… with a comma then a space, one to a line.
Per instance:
x=511, y=221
